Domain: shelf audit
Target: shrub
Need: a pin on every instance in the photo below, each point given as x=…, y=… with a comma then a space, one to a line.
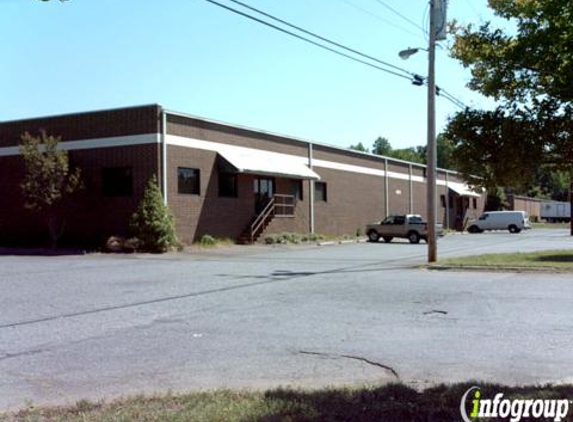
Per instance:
x=152, y=224
x=207, y=240
x=291, y=238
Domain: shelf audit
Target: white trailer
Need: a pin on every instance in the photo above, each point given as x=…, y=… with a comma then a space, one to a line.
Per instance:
x=554, y=211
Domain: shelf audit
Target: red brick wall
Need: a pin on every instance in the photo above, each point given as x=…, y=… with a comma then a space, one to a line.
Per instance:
x=90, y=125
x=93, y=217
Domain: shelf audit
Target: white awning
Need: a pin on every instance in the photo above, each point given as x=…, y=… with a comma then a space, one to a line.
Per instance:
x=267, y=163
x=463, y=190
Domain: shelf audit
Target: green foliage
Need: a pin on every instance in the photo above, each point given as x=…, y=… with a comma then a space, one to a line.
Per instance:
x=530, y=70
x=496, y=200
x=492, y=148
x=534, y=60
x=153, y=224
x=381, y=146
x=359, y=147
x=207, y=240
x=388, y=403
x=292, y=238
x=48, y=180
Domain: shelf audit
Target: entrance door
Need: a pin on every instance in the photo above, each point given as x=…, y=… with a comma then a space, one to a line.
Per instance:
x=264, y=188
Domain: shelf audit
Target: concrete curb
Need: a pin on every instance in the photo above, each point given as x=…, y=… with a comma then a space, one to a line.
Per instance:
x=478, y=268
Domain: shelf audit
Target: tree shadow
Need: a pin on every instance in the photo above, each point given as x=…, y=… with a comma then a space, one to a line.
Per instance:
x=555, y=258
x=7, y=251
x=391, y=402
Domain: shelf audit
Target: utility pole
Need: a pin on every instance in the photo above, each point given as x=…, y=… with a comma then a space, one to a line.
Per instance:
x=571, y=208
x=431, y=146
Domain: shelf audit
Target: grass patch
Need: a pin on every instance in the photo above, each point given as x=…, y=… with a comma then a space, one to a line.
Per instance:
x=287, y=238
x=208, y=241
x=559, y=260
x=392, y=403
x=549, y=225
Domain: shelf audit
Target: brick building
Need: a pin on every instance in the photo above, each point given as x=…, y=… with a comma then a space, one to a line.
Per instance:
x=217, y=178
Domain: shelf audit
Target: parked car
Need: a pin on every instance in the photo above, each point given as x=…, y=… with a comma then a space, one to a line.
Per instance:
x=409, y=226
x=514, y=221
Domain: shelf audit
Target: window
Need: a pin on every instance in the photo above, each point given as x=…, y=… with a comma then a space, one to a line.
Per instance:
x=296, y=189
x=188, y=181
x=117, y=181
x=443, y=200
x=228, y=186
x=451, y=202
x=320, y=191
x=475, y=203
x=399, y=220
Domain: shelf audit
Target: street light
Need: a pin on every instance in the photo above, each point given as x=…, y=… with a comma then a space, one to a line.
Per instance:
x=431, y=153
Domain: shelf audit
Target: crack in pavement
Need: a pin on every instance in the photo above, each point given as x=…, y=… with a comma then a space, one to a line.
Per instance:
x=359, y=358
x=435, y=311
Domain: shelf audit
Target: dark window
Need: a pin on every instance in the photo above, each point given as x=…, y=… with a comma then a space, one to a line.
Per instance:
x=443, y=199
x=296, y=189
x=188, y=181
x=117, y=181
x=475, y=203
x=228, y=186
x=320, y=191
x=399, y=220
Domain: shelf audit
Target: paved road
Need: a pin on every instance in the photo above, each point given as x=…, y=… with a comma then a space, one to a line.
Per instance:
x=100, y=325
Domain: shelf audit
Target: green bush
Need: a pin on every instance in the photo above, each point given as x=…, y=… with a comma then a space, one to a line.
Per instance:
x=291, y=238
x=152, y=224
x=207, y=240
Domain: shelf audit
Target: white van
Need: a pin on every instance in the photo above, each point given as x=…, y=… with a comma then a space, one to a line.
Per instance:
x=514, y=221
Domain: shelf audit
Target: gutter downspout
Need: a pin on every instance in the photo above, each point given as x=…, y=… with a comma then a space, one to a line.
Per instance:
x=447, y=202
x=311, y=192
x=386, y=187
x=410, y=190
x=164, y=155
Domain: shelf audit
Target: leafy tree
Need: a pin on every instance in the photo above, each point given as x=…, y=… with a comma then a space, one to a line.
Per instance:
x=413, y=154
x=359, y=147
x=381, y=146
x=48, y=180
x=153, y=224
x=530, y=71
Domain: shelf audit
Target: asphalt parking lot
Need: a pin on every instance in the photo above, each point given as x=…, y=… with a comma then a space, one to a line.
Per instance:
x=96, y=326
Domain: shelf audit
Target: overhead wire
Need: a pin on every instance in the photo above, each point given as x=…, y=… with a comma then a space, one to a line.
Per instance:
x=377, y=16
x=312, y=34
x=397, y=13
x=414, y=78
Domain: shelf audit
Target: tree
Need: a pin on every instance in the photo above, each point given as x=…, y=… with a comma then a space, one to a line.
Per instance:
x=359, y=147
x=381, y=146
x=530, y=72
x=153, y=224
x=48, y=180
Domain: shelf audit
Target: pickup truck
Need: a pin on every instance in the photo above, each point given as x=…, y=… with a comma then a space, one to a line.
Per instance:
x=409, y=226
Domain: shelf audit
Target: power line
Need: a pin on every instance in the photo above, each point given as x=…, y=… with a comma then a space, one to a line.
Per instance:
x=312, y=34
x=374, y=15
x=383, y=3
x=324, y=47
x=414, y=78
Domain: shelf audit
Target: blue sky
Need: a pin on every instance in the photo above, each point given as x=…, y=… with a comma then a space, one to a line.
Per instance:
x=191, y=56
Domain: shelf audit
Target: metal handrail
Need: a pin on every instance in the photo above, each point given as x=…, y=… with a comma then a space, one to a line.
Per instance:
x=265, y=213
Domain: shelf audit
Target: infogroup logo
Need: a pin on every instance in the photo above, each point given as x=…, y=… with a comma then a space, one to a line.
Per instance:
x=513, y=409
